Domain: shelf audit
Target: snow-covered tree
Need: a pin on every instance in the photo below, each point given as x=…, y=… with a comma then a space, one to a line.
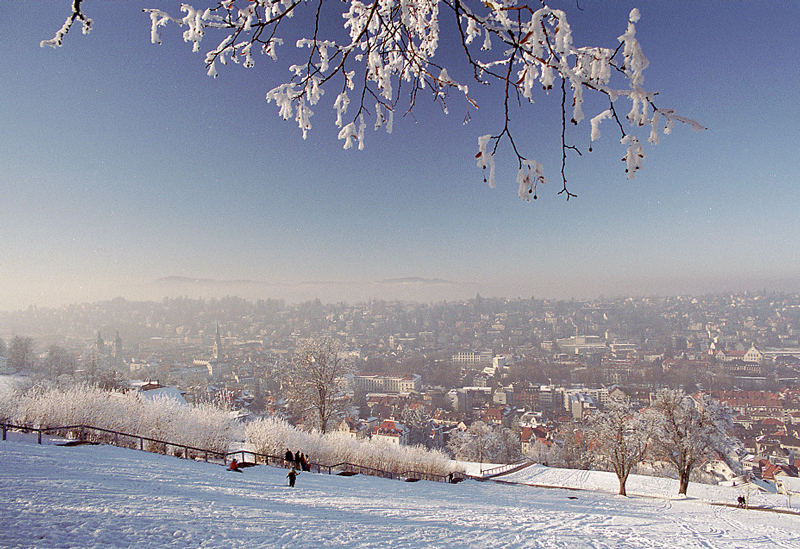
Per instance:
x=375, y=57
x=481, y=442
x=202, y=426
x=273, y=435
x=418, y=421
x=573, y=443
x=689, y=430
x=620, y=437
x=314, y=381
x=58, y=361
x=20, y=353
x=541, y=451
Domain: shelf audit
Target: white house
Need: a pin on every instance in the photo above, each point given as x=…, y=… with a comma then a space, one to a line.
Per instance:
x=391, y=431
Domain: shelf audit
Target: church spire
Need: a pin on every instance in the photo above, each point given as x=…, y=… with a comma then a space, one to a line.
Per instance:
x=217, y=345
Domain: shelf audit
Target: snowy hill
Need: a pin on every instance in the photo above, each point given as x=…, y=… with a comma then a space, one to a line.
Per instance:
x=640, y=485
x=103, y=496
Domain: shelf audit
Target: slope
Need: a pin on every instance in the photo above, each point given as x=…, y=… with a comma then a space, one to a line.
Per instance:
x=101, y=496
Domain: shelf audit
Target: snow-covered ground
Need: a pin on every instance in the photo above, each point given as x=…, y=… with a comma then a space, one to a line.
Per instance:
x=647, y=486
x=103, y=496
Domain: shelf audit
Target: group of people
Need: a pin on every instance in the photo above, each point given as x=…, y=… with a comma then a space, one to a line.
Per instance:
x=296, y=460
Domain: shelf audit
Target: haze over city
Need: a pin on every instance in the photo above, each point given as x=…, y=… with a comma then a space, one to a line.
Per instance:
x=128, y=172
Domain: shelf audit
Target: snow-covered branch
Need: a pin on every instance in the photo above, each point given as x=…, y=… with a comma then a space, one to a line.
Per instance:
x=383, y=52
x=77, y=13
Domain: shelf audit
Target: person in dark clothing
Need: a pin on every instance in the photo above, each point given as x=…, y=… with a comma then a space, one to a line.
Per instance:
x=297, y=455
x=292, y=475
x=304, y=465
x=289, y=458
x=741, y=502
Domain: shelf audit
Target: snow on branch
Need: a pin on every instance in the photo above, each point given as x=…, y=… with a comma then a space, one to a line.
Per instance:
x=58, y=39
x=382, y=58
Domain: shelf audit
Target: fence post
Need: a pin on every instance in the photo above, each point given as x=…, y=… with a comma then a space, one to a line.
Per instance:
x=4, y=431
x=206, y=456
x=141, y=443
x=39, y=431
x=116, y=438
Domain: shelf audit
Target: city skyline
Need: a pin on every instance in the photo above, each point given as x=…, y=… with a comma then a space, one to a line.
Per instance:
x=124, y=165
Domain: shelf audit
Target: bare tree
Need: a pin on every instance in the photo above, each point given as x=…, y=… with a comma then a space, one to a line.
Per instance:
x=689, y=430
x=621, y=436
x=381, y=57
x=315, y=380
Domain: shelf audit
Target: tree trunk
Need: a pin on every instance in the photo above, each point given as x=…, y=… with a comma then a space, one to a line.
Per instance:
x=622, y=481
x=684, y=476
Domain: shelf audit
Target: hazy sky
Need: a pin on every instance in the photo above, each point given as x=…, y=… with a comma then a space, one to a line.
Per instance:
x=121, y=163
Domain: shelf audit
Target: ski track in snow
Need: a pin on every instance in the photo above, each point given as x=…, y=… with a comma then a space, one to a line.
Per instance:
x=102, y=496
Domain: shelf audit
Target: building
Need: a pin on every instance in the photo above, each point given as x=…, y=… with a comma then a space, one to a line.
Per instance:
x=582, y=345
x=392, y=432
x=387, y=384
x=472, y=357
x=352, y=427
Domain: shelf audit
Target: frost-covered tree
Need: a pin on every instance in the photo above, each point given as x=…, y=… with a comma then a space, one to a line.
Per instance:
x=689, y=430
x=620, y=437
x=20, y=353
x=202, y=426
x=374, y=58
x=273, y=435
x=574, y=451
x=417, y=420
x=315, y=380
x=485, y=443
x=58, y=361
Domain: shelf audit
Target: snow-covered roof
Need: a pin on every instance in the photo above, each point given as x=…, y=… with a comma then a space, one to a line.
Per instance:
x=164, y=392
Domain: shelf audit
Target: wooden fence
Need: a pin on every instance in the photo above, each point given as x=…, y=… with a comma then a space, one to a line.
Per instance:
x=91, y=434
x=503, y=469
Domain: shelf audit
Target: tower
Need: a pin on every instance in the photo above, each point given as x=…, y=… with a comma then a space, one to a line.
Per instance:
x=117, y=348
x=217, y=345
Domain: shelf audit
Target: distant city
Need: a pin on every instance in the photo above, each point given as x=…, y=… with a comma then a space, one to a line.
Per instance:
x=421, y=370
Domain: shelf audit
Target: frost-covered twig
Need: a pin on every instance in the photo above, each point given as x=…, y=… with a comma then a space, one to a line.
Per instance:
x=388, y=47
x=58, y=39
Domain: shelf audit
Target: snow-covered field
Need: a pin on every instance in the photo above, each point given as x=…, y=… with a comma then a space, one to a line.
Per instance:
x=87, y=496
x=639, y=485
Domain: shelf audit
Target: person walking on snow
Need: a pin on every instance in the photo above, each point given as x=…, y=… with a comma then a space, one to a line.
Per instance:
x=288, y=457
x=292, y=475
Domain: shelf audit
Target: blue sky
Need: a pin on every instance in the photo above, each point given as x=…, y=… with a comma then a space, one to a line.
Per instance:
x=124, y=163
